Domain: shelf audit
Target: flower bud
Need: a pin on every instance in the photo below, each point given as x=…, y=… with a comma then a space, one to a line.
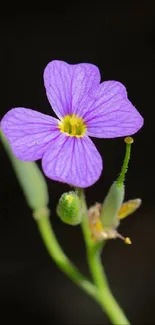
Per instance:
x=69, y=208
x=111, y=206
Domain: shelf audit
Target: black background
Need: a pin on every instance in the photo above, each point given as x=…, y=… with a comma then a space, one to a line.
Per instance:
x=120, y=40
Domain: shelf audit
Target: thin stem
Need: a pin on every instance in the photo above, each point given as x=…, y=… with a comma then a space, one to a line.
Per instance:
x=107, y=300
x=61, y=259
x=35, y=190
x=102, y=293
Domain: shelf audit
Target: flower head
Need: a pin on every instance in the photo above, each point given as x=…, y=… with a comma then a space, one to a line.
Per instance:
x=84, y=107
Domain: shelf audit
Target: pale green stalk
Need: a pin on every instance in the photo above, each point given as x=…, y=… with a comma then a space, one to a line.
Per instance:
x=36, y=193
x=35, y=190
x=107, y=300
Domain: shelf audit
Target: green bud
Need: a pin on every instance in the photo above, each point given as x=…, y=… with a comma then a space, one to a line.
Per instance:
x=69, y=208
x=111, y=206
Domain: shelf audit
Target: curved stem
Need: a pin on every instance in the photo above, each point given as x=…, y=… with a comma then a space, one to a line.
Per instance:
x=101, y=292
x=35, y=190
x=107, y=300
x=61, y=259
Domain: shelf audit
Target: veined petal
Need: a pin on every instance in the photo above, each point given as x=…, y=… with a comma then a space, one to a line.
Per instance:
x=68, y=86
x=72, y=160
x=28, y=132
x=112, y=114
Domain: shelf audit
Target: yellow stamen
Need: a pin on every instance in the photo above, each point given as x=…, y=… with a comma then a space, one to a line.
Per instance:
x=73, y=126
x=66, y=128
x=127, y=241
x=73, y=120
x=74, y=129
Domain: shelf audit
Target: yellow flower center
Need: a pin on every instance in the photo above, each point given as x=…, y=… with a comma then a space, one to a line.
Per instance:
x=73, y=125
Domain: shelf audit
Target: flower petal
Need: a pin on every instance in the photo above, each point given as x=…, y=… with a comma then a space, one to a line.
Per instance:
x=28, y=132
x=111, y=114
x=128, y=208
x=67, y=86
x=72, y=160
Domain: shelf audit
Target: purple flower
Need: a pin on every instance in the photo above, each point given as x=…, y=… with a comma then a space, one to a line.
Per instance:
x=85, y=107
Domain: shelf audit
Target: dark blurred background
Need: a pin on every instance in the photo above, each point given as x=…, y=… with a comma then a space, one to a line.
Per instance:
x=120, y=40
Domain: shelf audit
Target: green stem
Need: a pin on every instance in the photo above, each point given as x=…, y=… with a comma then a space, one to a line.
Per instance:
x=121, y=177
x=35, y=190
x=107, y=300
x=61, y=259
